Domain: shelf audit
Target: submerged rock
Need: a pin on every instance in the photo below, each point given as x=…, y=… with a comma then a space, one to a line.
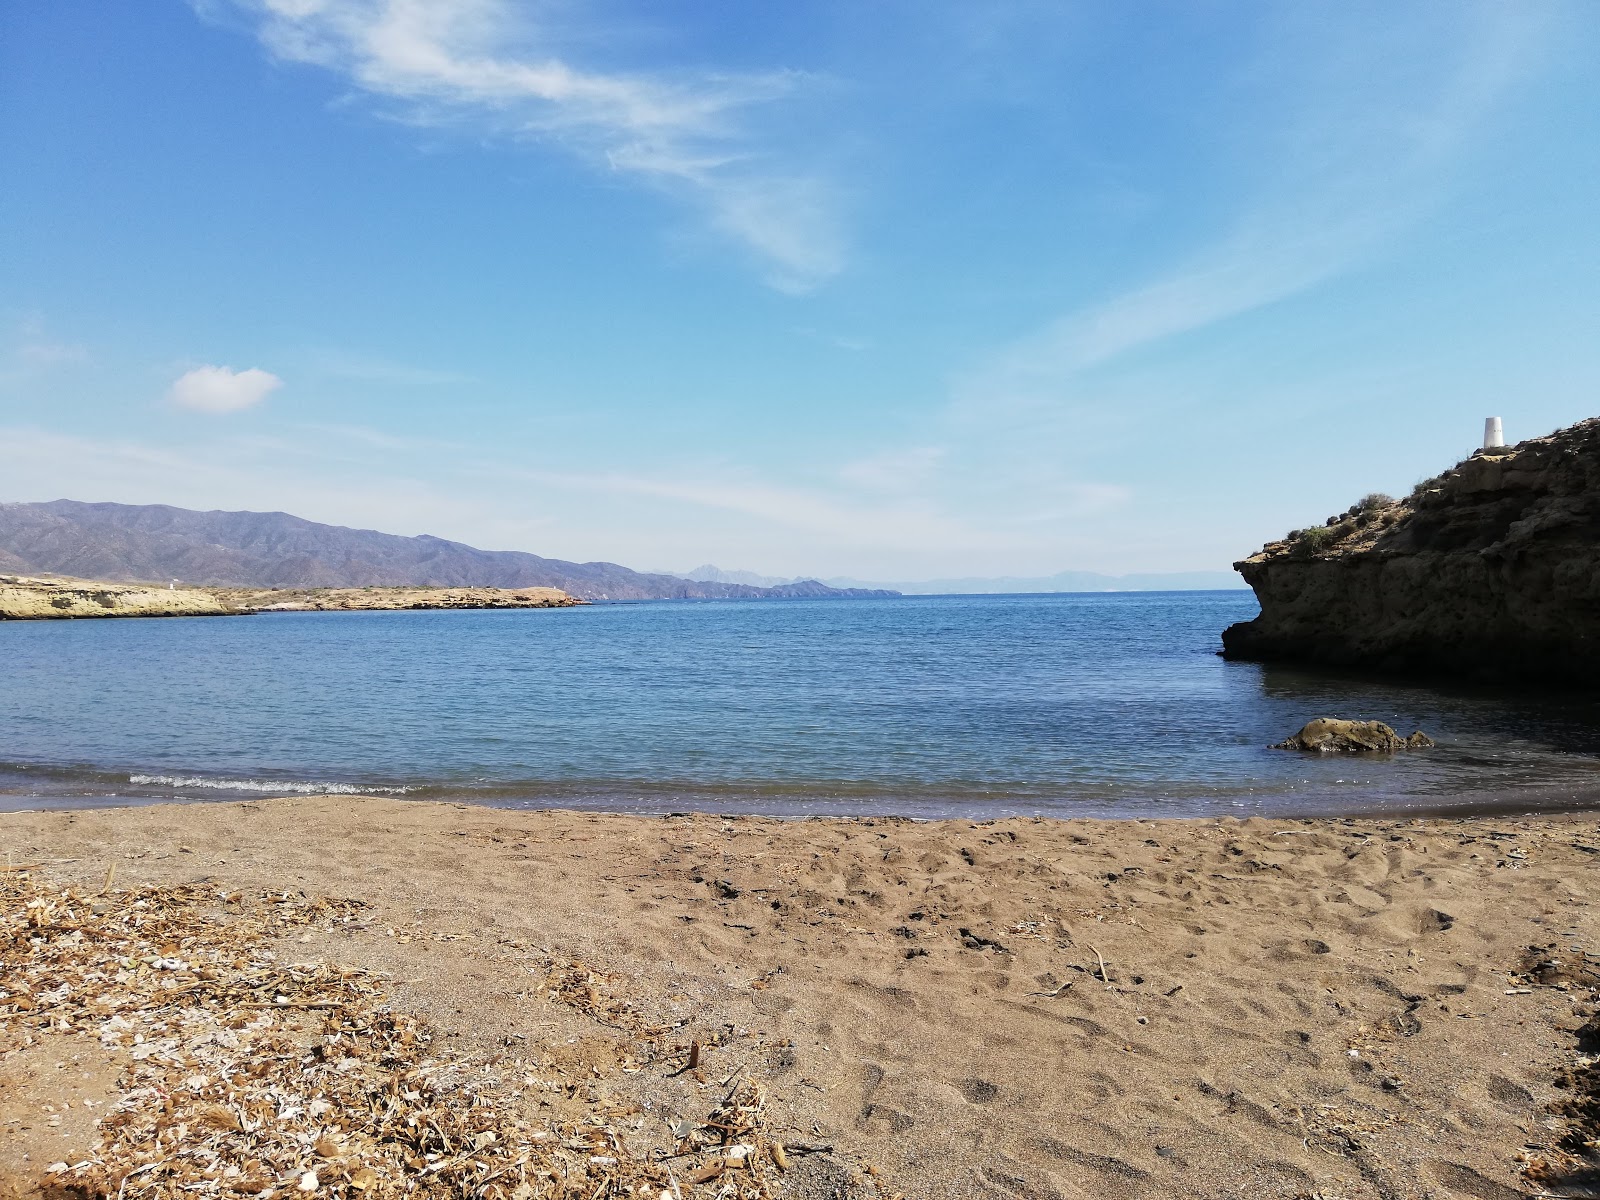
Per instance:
x=1330, y=735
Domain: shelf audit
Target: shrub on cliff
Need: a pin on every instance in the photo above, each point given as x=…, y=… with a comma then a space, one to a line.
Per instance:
x=1315, y=540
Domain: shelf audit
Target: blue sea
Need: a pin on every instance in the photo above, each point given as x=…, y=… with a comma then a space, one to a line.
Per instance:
x=970, y=706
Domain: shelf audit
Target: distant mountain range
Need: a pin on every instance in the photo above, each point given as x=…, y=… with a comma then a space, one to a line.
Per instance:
x=152, y=542
x=1064, y=581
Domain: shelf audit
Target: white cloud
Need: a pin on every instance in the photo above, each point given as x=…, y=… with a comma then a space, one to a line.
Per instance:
x=491, y=65
x=222, y=389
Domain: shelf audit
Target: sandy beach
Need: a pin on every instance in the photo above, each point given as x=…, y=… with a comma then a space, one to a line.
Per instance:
x=1017, y=1009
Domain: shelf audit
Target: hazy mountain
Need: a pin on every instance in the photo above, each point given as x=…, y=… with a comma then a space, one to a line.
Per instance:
x=142, y=542
x=1064, y=581
x=712, y=574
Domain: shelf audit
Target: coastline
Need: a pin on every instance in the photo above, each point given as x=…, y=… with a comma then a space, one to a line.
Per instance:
x=27, y=598
x=1339, y=1005
x=24, y=598
x=386, y=599
x=46, y=787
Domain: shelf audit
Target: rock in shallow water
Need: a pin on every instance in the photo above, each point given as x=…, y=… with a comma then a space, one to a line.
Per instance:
x=1330, y=735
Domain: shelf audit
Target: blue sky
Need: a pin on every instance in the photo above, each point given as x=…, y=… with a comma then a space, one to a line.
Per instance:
x=892, y=289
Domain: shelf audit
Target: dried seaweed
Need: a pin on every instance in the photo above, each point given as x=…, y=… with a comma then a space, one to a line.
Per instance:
x=250, y=1076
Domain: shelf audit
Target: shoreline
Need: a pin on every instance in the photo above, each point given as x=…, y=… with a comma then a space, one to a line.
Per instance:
x=1342, y=1005
x=29, y=598
x=1534, y=800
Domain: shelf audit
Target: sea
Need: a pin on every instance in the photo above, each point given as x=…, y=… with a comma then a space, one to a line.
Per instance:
x=1093, y=705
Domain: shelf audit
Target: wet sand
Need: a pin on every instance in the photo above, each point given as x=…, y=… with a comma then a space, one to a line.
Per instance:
x=1338, y=1008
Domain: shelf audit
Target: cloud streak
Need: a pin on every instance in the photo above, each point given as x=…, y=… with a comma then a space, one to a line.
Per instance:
x=623, y=516
x=1365, y=150
x=487, y=64
x=32, y=351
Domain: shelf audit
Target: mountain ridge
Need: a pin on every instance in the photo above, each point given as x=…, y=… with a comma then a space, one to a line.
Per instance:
x=1061, y=581
x=219, y=548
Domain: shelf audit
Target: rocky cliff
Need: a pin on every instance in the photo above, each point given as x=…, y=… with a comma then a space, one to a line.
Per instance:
x=1491, y=570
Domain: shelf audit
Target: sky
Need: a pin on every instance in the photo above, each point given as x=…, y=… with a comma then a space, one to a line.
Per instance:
x=891, y=289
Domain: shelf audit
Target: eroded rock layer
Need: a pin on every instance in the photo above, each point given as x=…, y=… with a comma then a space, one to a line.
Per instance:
x=27, y=599
x=352, y=599
x=1491, y=570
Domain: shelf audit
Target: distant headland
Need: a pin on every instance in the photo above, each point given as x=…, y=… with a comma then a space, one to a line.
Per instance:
x=28, y=598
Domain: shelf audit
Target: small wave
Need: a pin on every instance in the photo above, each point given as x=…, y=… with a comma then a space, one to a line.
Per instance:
x=265, y=786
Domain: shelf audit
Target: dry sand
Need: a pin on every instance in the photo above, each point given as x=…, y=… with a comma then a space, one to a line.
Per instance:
x=1345, y=1009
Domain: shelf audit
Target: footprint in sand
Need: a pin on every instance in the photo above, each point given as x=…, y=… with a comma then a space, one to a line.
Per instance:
x=1508, y=1094
x=1431, y=920
x=979, y=1091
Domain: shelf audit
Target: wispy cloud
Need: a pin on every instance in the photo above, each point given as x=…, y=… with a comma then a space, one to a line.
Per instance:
x=492, y=65
x=368, y=369
x=894, y=470
x=222, y=389
x=32, y=349
x=1371, y=130
x=362, y=436
x=855, y=345
x=825, y=514
x=501, y=505
x=254, y=473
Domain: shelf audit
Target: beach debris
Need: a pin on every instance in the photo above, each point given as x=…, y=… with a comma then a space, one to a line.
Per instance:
x=1574, y=1160
x=1059, y=990
x=246, y=1075
x=1333, y=735
x=1105, y=976
x=974, y=941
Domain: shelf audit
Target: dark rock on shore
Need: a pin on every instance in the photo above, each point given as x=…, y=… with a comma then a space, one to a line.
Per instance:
x=1491, y=570
x=1330, y=735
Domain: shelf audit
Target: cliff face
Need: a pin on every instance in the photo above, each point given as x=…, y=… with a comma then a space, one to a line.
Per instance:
x=1491, y=570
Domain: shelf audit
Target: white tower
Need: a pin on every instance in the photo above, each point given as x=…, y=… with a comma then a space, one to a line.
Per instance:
x=1493, y=435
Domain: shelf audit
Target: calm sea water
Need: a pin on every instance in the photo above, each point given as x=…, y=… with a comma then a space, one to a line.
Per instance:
x=925, y=706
